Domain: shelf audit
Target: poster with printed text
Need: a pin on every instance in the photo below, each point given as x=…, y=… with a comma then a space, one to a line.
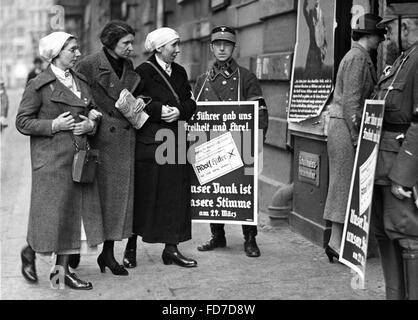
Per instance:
x=224, y=154
x=313, y=65
x=357, y=220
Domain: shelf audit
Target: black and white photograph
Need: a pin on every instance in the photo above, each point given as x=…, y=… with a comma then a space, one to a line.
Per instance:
x=208, y=159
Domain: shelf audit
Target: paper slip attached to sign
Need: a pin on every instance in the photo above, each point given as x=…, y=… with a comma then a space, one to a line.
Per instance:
x=366, y=176
x=216, y=158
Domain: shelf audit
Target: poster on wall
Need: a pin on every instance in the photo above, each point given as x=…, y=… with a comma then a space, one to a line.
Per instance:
x=313, y=64
x=224, y=155
x=355, y=237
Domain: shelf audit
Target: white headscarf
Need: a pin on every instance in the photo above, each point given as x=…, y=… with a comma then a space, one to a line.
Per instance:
x=160, y=37
x=51, y=45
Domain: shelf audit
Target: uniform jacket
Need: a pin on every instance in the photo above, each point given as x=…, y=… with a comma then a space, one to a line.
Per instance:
x=57, y=203
x=356, y=79
x=115, y=138
x=399, y=162
x=221, y=84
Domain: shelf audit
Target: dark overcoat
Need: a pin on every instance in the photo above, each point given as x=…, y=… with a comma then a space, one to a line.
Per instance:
x=57, y=203
x=115, y=138
x=398, y=161
x=162, y=191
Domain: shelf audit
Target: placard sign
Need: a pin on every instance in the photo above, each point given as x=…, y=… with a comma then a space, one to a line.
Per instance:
x=355, y=238
x=224, y=149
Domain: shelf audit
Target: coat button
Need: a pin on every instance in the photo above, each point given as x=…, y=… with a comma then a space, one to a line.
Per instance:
x=232, y=89
x=112, y=129
x=224, y=82
x=207, y=89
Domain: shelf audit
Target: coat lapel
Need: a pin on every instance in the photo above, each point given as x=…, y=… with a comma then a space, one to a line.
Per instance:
x=130, y=79
x=60, y=93
x=111, y=83
x=107, y=78
x=83, y=87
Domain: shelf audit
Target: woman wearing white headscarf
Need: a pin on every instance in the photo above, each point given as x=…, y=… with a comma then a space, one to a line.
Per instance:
x=162, y=190
x=56, y=112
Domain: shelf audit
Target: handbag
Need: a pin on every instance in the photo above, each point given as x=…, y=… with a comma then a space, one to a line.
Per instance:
x=84, y=161
x=85, y=164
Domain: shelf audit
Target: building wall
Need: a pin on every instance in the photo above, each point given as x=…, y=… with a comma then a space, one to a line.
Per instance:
x=21, y=27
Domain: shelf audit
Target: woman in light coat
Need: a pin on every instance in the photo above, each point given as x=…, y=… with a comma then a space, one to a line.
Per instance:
x=65, y=216
x=355, y=82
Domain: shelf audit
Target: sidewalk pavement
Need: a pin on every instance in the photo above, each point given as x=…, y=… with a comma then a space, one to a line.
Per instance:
x=290, y=267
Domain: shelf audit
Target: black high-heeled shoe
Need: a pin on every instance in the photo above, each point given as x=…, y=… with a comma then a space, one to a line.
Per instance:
x=331, y=254
x=116, y=269
x=28, y=264
x=129, y=258
x=176, y=257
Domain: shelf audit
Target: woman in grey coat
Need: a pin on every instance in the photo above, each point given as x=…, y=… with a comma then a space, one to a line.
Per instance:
x=355, y=82
x=65, y=216
x=108, y=72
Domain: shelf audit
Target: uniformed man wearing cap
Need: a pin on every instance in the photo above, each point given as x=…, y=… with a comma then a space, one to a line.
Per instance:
x=395, y=215
x=227, y=81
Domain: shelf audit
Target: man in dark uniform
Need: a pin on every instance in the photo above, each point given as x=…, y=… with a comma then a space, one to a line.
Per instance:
x=224, y=82
x=395, y=215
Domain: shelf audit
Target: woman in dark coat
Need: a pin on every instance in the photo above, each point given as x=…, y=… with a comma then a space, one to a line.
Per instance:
x=355, y=82
x=162, y=190
x=53, y=112
x=109, y=71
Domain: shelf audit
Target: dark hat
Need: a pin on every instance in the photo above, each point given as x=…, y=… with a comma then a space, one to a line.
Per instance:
x=223, y=33
x=395, y=10
x=367, y=24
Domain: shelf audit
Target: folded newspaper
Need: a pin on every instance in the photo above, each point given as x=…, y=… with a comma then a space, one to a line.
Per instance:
x=128, y=105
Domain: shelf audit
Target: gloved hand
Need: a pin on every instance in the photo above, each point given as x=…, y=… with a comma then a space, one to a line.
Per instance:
x=63, y=122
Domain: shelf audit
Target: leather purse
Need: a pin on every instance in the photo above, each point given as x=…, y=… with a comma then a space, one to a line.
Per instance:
x=85, y=162
x=85, y=165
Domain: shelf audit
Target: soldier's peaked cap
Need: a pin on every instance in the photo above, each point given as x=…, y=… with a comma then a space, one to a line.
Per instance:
x=395, y=10
x=223, y=33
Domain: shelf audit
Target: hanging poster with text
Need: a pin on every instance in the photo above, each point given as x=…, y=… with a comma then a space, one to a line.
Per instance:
x=223, y=152
x=357, y=220
x=313, y=64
